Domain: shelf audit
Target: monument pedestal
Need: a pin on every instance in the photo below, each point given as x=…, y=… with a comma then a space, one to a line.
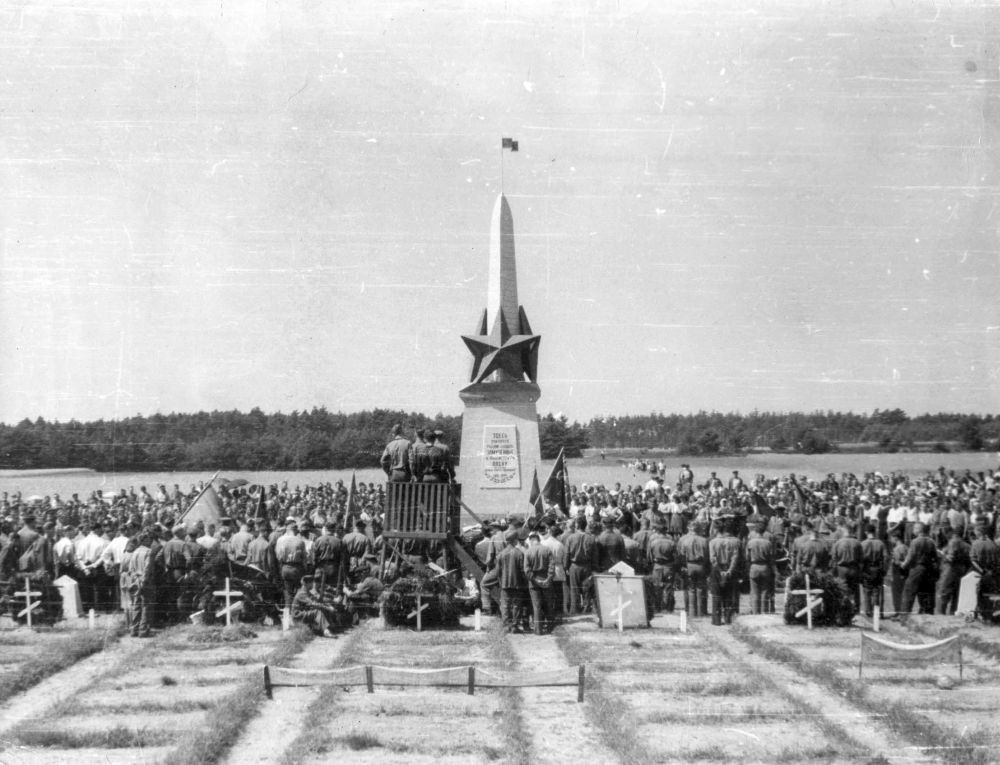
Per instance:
x=500, y=446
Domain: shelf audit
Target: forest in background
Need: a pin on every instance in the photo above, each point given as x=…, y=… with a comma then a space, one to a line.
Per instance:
x=319, y=439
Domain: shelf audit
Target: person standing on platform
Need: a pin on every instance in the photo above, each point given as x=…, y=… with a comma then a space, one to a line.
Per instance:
x=439, y=466
x=418, y=455
x=396, y=457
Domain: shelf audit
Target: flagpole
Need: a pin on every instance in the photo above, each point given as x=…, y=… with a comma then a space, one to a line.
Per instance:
x=501, y=166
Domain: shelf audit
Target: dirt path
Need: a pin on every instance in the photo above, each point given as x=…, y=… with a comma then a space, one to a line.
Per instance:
x=86, y=673
x=279, y=721
x=865, y=731
x=552, y=718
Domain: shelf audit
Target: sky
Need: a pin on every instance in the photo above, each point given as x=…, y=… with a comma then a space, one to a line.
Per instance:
x=730, y=206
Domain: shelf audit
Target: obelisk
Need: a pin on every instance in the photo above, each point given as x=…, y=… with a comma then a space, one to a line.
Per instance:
x=500, y=446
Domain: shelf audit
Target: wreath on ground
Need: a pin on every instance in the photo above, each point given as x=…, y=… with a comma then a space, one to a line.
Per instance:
x=838, y=606
x=400, y=598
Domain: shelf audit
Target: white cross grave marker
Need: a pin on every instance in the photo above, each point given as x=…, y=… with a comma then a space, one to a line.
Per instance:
x=417, y=612
x=622, y=605
x=30, y=606
x=810, y=603
x=231, y=608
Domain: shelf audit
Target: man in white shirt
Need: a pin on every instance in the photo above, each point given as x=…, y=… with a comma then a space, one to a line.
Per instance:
x=89, y=547
x=558, y=592
x=64, y=553
x=111, y=559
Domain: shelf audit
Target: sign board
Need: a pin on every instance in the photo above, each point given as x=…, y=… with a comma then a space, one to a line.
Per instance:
x=621, y=601
x=501, y=465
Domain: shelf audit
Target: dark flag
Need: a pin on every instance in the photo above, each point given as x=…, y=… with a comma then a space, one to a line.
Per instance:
x=760, y=505
x=508, y=143
x=261, y=511
x=535, y=498
x=556, y=489
x=352, y=497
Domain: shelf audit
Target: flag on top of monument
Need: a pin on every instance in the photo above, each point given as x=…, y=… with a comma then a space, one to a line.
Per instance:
x=556, y=489
x=206, y=508
x=508, y=143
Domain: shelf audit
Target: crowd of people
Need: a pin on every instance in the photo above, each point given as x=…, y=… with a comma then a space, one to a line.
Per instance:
x=315, y=549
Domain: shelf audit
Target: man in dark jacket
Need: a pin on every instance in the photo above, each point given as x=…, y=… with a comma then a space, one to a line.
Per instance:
x=513, y=583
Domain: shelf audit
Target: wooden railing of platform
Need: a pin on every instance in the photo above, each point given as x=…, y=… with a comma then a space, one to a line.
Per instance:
x=421, y=510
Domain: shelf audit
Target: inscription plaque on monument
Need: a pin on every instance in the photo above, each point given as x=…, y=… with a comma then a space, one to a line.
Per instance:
x=501, y=466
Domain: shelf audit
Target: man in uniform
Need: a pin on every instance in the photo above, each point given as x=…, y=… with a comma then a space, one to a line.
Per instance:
x=580, y=562
x=357, y=545
x=513, y=583
x=290, y=550
x=329, y=556
x=693, y=549
x=724, y=558
x=985, y=558
x=897, y=557
x=921, y=572
x=139, y=577
x=845, y=557
x=307, y=609
x=418, y=455
x=874, y=562
x=175, y=558
x=610, y=546
x=439, y=467
x=539, y=569
x=663, y=560
x=396, y=457
x=760, y=554
x=955, y=561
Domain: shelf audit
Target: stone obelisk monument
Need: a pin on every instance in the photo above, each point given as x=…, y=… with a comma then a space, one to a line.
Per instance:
x=500, y=447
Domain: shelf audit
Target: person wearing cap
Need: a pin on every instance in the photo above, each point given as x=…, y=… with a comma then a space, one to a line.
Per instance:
x=290, y=551
x=513, y=583
x=845, y=558
x=357, y=545
x=307, y=609
x=921, y=568
x=874, y=564
x=955, y=560
x=329, y=556
x=395, y=459
x=138, y=579
x=439, y=465
x=610, y=546
x=539, y=569
x=984, y=557
x=418, y=455
x=760, y=555
x=580, y=560
x=725, y=560
x=175, y=557
x=662, y=556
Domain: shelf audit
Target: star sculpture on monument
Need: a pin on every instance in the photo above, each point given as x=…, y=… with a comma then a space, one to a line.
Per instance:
x=510, y=356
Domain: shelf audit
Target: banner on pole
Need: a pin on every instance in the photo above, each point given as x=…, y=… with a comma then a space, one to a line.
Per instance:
x=875, y=649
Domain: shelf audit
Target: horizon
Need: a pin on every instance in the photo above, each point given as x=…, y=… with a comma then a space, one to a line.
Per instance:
x=728, y=209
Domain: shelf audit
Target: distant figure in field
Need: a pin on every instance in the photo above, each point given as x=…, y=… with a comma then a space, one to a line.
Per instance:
x=396, y=457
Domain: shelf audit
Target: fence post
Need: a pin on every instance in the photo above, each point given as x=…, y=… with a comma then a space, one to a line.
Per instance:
x=369, y=679
x=579, y=690
x=472, y=680
x=861, y=654
x=267, y=682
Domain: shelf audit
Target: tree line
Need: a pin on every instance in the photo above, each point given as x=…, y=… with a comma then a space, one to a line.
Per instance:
x=319, y=439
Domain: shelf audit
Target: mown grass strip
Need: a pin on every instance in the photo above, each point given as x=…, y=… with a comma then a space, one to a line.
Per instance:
x=517, y=740
x=226, y=720
x=314, y=738
x=55, y=657
x=973, y=748
x=118, y=737
x=606, y=709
